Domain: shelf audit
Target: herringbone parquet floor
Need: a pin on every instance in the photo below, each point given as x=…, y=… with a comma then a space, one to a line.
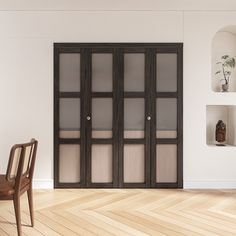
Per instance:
x=124, y=212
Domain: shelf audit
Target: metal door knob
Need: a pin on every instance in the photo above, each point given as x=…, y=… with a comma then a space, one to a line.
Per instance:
x=88, y=118
x=149, y=118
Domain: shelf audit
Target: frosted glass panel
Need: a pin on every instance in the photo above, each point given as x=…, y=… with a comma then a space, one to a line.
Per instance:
x=166, y=72
x=166, y=133
x=69, y=73
x=134, y=163
x=69, y=163
x=134, y=117
x=166, y=117
x=134, y=71
x=102, y=113
x=69, y=133
x=166, y=163
x=101, y=163
x=70, y=114
x=102, y=72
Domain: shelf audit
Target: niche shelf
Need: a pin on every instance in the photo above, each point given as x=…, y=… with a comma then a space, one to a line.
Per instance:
x=223, y=43
x=226, y=113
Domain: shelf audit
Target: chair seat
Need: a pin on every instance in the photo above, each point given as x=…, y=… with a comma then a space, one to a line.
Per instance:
x=7, y=188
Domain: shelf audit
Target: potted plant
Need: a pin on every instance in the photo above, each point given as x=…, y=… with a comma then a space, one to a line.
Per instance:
x=226, y=63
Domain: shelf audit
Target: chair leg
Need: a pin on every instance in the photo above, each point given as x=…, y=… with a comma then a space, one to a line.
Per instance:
x=30, y=200
x=16, y=201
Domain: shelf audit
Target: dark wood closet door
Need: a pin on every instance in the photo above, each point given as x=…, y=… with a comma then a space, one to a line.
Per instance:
x=117, y=115
x=135, y=140
x=166, y=131
x=69, y=164
x=101, y=170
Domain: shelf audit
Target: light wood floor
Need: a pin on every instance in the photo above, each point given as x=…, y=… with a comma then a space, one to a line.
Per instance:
x=126, y=212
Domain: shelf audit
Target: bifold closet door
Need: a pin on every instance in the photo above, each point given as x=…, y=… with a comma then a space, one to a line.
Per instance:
x=67, y=109
x=118, y=115
x=167, y=113
x=100, y=116
x=136, y=118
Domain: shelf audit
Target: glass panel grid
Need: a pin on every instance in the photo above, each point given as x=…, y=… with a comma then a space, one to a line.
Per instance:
x=166, y=117
x=102, y=117
x=134, y=163
x=69, y=123
x=102, y=75
x=166, y=163
x=69, y=72
x=69, y=163
x=134, y=72
x=134, y=122
x=101, y=163
x=166, y=72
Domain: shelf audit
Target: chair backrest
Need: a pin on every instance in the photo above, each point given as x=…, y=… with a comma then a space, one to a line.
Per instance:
x=21, y=161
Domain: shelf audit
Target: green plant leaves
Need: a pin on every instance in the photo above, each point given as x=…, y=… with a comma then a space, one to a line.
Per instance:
x=225, y=57
x=230, y=62
x=226, y=63
x=228, y=73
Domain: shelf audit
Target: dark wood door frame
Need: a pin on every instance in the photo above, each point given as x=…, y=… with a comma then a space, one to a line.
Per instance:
x=118, y=95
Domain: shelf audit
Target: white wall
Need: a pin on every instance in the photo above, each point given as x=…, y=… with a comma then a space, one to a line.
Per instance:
x=204, y=166
x=27, y=33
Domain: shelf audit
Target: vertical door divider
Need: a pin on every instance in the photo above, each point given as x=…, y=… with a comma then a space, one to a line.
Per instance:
x=120, y=77
x=180, y=116
x=153, y=121
x=83, y=149
x=147, y=115
x=56, y=116
x=117, y=70
x=88, y=116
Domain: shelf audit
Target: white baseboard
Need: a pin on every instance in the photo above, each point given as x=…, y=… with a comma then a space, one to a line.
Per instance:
x=216, y=184
x=42, y=183
x=212, y=184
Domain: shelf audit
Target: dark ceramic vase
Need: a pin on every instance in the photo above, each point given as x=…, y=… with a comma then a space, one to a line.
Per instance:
x=220, y=133
x=225, y=87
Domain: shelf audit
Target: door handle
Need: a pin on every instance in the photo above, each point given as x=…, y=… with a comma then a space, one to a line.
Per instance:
x=149, y=118
x=88, y=118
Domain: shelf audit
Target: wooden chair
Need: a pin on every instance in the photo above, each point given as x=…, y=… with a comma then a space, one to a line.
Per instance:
x=18, y=178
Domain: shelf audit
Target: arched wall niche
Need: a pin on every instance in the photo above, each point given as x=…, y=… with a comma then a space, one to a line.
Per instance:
x=223, y=43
